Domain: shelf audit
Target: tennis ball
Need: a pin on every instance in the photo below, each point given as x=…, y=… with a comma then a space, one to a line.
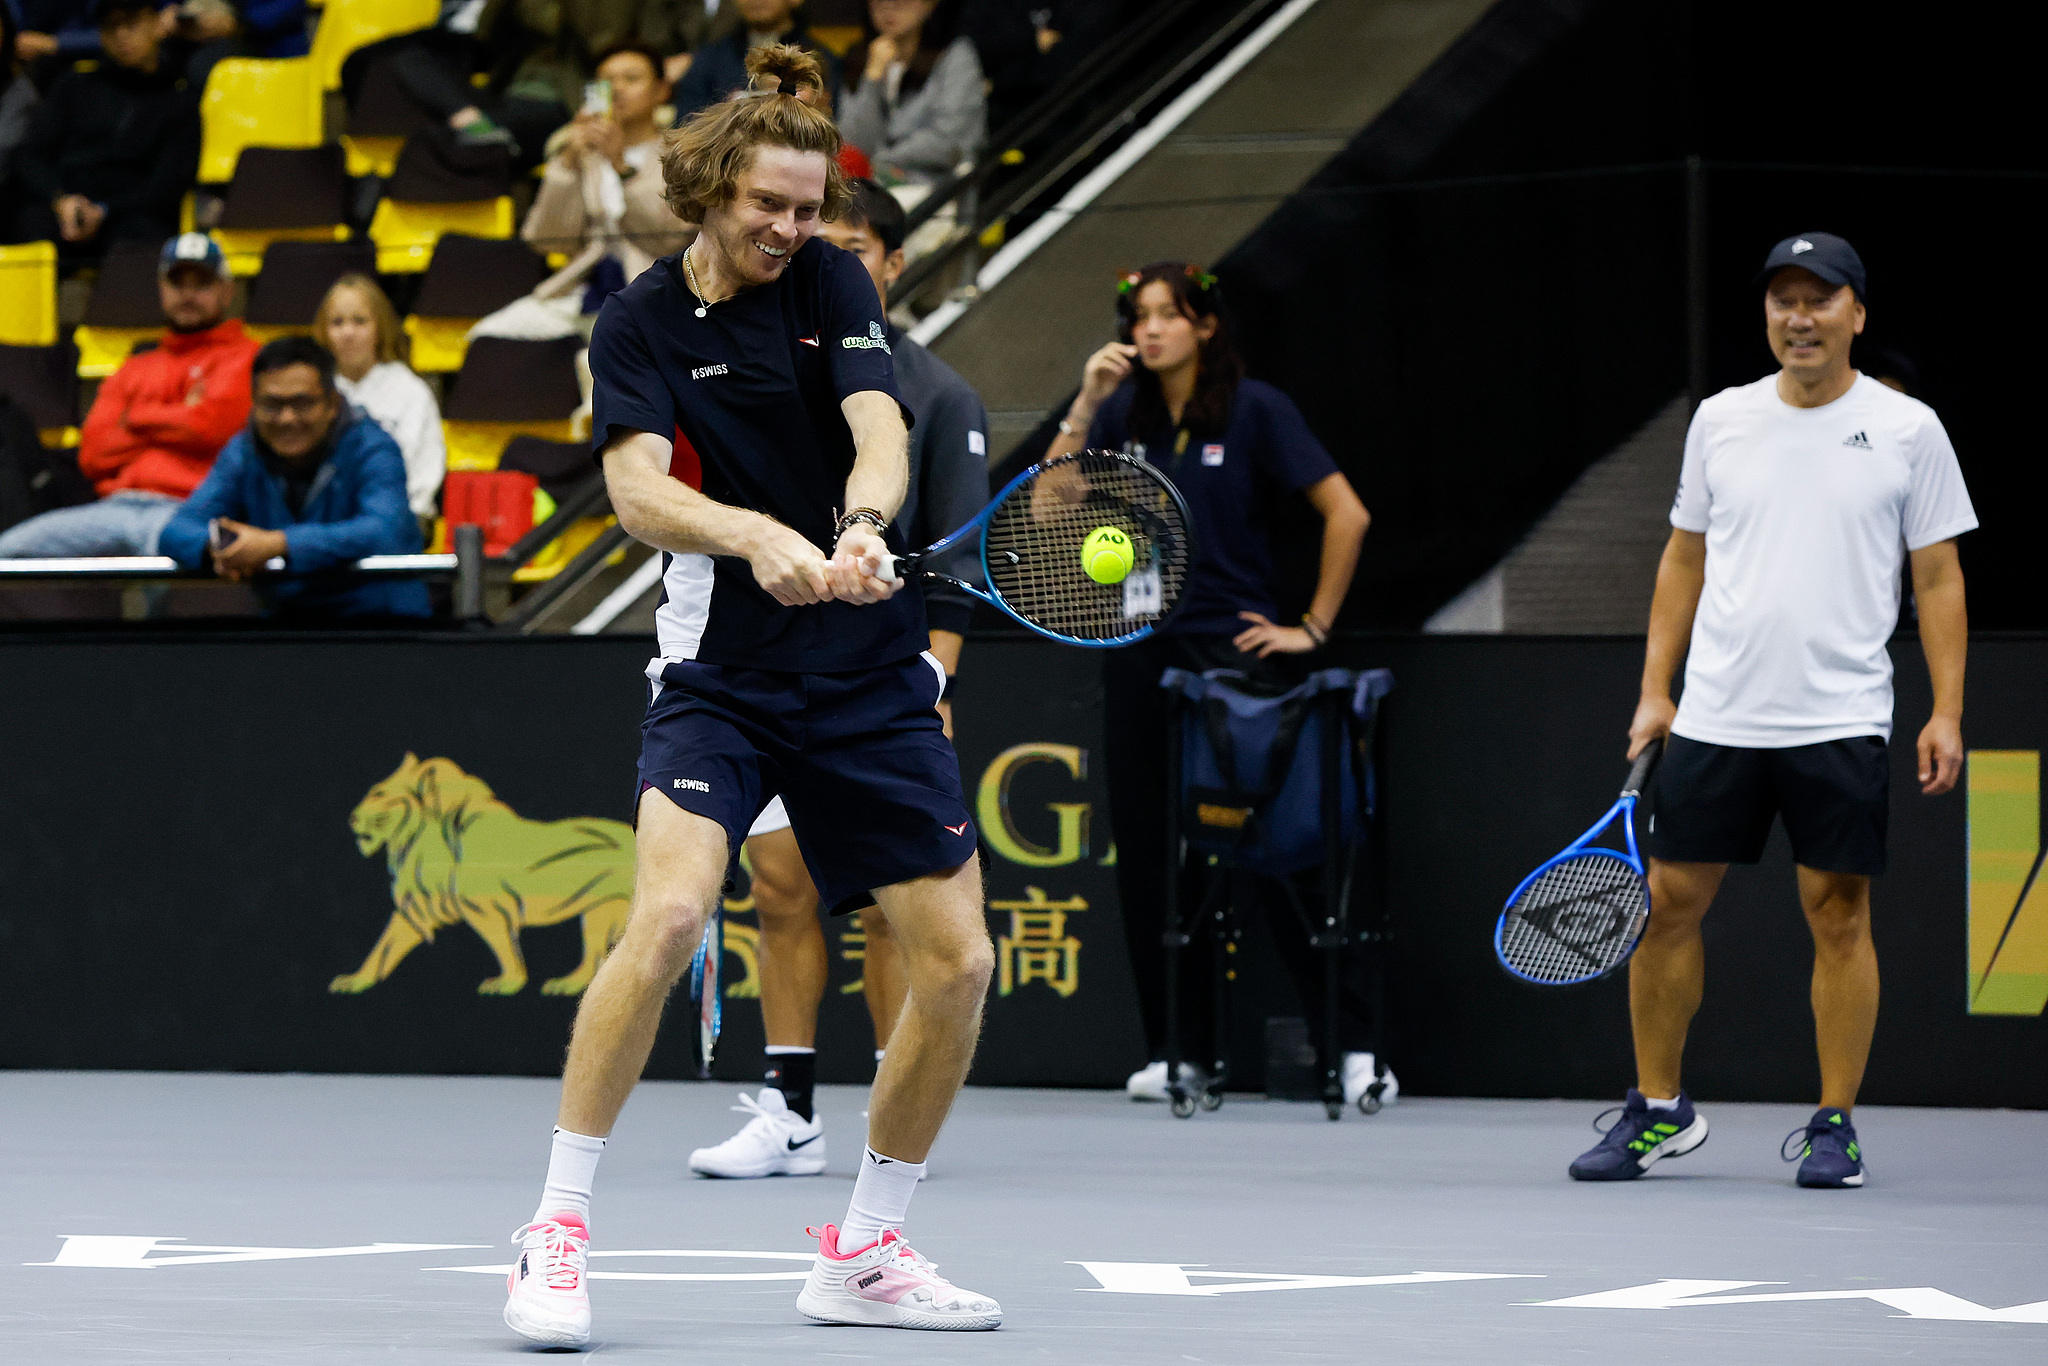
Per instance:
x=1106, y=555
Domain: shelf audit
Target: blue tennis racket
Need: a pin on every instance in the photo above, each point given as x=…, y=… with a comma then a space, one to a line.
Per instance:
x=1033, y=536
x=1580, y=916
x=704, y=992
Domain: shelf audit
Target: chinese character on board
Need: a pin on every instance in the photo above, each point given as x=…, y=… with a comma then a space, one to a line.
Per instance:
x=1038, y=947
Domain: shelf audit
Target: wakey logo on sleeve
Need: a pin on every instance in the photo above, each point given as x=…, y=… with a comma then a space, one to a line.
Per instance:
x=873, y=341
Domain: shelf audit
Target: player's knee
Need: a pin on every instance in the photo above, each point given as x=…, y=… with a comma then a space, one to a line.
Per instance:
x=670, y=929
x=781, y=899
x=1839, y=925
x=963, y=971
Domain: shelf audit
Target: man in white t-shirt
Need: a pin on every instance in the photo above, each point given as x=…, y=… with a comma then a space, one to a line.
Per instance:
x=1800, y=498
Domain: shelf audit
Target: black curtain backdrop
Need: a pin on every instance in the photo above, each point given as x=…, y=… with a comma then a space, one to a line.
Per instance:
x=1487, y=290
x=180, y=885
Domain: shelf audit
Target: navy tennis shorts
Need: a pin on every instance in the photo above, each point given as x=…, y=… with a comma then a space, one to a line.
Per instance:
x=1714, y=803
x=860, y=760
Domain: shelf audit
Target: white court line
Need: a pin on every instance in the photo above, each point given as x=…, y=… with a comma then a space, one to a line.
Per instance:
x=1076, y=200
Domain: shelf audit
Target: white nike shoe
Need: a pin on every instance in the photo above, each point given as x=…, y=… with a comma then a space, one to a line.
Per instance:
x=1149, y=1082
x=1358, y=1075
x=547, y=1299
x=775, y=1142
x=887, y=1285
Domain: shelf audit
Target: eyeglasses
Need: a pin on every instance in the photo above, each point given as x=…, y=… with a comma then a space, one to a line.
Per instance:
x=303, y=406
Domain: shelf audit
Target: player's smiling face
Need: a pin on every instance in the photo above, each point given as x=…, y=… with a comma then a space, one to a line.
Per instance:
x=774, y=212
x=1809, y=321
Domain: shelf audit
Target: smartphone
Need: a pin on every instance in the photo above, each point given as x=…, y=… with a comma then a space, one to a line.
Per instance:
x=597, y=98
x=217, y=538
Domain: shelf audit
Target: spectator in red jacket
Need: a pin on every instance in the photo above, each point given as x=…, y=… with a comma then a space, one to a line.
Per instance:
x=159, y=421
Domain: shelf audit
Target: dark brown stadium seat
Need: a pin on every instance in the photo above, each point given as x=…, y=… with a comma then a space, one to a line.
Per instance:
x=467, y=278
x=509, y=389
x=123, y=309
x=560, y=466
x=296, y=276
x=282, y=194
x=44, y=381
x=435, y=169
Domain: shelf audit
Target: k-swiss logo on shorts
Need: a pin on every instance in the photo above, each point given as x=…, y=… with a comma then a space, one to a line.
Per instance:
x=706, y=371
x=693, y=784
x=1859, y=441
x=873, y=341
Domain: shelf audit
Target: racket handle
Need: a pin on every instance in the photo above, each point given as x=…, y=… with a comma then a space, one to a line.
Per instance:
x=896, y=567
x=1639, y=776
x=887, y=573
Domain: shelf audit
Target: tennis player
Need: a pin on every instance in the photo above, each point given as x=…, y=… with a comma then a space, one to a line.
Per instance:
x=1799, y=497
x=783, y=1134
x=802, y=674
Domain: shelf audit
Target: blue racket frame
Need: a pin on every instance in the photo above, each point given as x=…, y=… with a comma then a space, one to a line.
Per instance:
x=704, y=975
x=910, y=564
x=1625, y=808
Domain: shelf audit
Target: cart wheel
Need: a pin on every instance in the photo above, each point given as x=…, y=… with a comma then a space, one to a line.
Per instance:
x=1369, y=1103
x=1183, y=1104
x=1212, y=1100
x=1333, y=1108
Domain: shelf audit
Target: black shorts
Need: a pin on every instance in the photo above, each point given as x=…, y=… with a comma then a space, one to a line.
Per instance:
x=860, y=760
x=1714, y=803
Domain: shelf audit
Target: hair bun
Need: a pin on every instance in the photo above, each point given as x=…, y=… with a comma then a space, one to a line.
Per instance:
x=791, y=67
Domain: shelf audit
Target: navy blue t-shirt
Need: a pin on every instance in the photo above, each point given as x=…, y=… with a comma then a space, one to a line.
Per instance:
x=755, y=386
x=1231, y=487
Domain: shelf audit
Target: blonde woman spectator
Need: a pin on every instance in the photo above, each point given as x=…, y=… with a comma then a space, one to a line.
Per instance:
x=914, y=99
x=600, y=203
x=357, y=323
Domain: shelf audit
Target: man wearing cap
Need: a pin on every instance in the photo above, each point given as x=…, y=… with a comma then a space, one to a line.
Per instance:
x=159, y=420
x=1799, y=499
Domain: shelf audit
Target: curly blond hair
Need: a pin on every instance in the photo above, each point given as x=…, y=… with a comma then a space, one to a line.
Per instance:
x=703, y=161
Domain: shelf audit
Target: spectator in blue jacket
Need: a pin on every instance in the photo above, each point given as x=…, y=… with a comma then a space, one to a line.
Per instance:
x=310, y=482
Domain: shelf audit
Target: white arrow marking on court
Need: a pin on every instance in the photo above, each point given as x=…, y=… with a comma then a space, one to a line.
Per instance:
x=1917, y=1301
x=1172, y=1278
x=93, y=1249
x=673, y=1275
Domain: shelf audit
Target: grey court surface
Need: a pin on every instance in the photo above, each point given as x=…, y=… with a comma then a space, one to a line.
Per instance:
x=182, y=1214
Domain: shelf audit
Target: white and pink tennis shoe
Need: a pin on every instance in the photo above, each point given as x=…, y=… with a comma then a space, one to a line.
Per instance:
x=887, y=1285
x=548, y=1296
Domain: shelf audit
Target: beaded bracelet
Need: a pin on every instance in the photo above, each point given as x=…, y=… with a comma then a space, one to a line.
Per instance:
x=868, y=515
x=1315, y=631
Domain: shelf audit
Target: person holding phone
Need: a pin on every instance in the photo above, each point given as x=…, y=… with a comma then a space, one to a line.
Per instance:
x=1172, y=391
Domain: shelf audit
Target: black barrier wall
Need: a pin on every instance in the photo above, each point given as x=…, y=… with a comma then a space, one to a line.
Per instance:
x=328, y=855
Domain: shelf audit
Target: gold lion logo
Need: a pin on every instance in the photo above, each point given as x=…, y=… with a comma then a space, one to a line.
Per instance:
x=458, y=855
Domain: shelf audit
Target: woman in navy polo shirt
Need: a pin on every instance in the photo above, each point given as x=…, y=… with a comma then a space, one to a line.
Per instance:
x=1172, y=390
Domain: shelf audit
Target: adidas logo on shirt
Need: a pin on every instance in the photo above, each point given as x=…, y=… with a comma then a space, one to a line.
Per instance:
x=1859, y=441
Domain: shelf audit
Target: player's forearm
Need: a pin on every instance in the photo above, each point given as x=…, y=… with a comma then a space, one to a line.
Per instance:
x=668, y=514
x=881, y=443
x=1681, y=575
x=1944, y=633
x=1343, y=534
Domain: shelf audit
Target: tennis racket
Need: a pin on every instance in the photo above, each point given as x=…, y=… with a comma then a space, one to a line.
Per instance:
x=1579, y=916
x=704, y=992
x=1032, y=537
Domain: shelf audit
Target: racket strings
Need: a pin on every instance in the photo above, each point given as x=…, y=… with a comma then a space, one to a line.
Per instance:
x=1034, y=542
x=1576, y=920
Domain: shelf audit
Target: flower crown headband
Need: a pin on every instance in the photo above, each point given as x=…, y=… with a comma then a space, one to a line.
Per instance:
x=1201, y=279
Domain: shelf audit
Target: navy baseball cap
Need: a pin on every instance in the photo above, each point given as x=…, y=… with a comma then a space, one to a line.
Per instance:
x=193, y=249
x=1826, y=255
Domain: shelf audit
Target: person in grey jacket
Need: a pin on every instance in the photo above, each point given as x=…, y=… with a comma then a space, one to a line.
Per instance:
x=914, y=99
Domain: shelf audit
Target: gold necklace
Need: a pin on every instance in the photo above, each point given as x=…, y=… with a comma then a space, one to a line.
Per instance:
x=703, y=304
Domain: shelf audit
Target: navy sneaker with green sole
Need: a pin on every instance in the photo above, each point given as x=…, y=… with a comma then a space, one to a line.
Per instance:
x=1640, y=1137
x=1829, y=1156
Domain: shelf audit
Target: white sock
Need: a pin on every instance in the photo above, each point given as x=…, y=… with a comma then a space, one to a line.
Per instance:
x=1656, y=1104
x=881, y=1199
x=572, y=1165
x=776, y=1050
x=879, y=1052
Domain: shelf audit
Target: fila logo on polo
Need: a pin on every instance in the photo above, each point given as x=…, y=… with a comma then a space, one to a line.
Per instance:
x=873, y=341
x=706, y=371
x=1801, y=245
x=1859, y=441
x=693, y=784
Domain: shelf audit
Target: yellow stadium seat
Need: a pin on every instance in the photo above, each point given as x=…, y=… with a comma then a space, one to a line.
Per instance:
x=405, y=232
x=103, y=350
x=59, y=438
x=253, y=102
x=376, y=156
x=438, y=344
x=346, y=25
x=556, y=554
x=28, y=294
x=477, y=445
